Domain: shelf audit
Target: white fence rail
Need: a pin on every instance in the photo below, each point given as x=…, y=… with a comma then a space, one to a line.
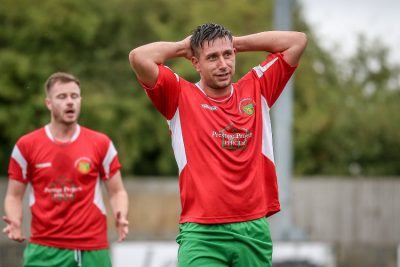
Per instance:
x=164, y=254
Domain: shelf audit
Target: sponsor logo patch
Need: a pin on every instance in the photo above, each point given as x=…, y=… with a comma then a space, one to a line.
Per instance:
x=206, y=106
x=233, y=138
x=62, y=189
x=43, y=165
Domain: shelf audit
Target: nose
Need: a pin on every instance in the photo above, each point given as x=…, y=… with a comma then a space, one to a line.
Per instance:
x=70, y=101
x=222, y=62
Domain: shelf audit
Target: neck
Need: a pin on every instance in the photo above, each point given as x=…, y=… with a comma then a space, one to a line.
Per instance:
x=215, y=93
x=62, y=132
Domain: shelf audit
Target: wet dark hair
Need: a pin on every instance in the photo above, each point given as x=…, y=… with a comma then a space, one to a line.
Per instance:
x=208, y=32
x=62, y=77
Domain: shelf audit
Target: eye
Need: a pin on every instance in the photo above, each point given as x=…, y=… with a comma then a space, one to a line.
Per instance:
x=228, y=55
x=75, y=96
x=61, y=96
x=212, y=57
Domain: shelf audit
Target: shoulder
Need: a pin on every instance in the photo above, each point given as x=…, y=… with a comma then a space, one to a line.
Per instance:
x=33, y=136
x=169, y=73
x=29, y=143
x=98, y=141
x=94, y=135
x=274, y=64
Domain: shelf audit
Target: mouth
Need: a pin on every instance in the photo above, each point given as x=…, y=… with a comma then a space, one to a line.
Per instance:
x=70, y=112
x=223, y=76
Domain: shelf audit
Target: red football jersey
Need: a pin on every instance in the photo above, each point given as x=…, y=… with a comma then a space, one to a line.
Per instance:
x=223, y=147
x=65, y=197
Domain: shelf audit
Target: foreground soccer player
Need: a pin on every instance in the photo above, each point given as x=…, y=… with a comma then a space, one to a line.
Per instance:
x=221, y=136
x=64, y=163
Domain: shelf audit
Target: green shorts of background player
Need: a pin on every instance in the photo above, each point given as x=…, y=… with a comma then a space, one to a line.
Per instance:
x=242, y=244
x=43, y=256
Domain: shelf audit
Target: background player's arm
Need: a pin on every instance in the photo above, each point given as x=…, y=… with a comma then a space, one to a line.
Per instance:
x=13, y=204
x=290, y=44
x=145, y=59
x=119, y=204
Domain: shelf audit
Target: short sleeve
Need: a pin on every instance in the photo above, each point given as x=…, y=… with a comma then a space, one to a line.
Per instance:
x=18, y=165
x=110, y=163
x=165, y=94
x=273, y=74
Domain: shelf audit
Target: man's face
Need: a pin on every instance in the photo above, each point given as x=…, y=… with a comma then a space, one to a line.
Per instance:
x=215, y=63
x=64, y=102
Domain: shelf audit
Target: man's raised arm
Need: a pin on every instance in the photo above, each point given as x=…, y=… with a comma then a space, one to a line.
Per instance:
x=145, y=59
x=290, y=44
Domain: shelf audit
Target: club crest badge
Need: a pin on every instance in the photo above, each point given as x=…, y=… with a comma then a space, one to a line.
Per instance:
x=83, y=165
x=247, y=106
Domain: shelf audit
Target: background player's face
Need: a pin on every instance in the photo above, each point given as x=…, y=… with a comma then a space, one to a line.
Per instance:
x=64, y=102
x=216, y=63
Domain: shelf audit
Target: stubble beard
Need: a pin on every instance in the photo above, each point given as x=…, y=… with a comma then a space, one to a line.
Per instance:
x=221, y=85
x=62, y=119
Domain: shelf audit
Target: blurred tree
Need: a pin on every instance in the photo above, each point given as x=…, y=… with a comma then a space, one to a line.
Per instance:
x=345, y=115
x=366, y=128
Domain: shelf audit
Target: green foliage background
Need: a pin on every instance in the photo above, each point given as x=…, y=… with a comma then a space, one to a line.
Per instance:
x=346, y=114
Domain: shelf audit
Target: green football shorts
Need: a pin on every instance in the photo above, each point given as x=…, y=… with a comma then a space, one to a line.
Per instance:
x=242, y=244
x=43, y=256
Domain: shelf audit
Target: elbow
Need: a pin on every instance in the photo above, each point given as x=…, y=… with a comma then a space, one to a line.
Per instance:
x=298, y=45
x=137, y=58
x=302, y=39
x=133, y=58
x=299, y=42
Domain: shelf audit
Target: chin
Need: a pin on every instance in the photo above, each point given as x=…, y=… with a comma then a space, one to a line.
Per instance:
x=69, y=122
x=223, y=85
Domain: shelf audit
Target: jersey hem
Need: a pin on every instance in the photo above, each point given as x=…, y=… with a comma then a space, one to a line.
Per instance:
x=63, y=246
x=230, y=219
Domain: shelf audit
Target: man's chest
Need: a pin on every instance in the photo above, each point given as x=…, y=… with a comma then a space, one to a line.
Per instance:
x=74, y=162
x=230, y=124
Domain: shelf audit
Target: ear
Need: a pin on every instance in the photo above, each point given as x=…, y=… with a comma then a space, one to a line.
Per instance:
x=195, y=63
x=48, y=103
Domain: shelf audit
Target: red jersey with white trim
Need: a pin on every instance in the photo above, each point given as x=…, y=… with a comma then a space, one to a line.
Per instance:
x=223, y=146
x=65, y=199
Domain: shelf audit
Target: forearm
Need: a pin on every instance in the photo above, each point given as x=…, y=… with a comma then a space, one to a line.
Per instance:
x=158, y=52
x=144, y=59
x=290, y=43
x=269, y=41
x=13, y=208
x=119, y=203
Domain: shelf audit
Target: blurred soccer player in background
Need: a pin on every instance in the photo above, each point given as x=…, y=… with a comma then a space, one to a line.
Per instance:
x=64, y=163
x=222, y=140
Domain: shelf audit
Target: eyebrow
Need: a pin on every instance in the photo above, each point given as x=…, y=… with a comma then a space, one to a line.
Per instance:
x=67, y=93
x=216, y=53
